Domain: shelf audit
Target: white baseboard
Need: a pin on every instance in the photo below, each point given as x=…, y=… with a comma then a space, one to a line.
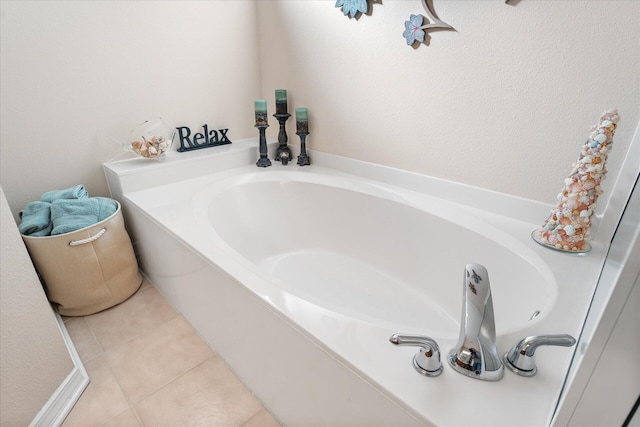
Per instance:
x=67, y=394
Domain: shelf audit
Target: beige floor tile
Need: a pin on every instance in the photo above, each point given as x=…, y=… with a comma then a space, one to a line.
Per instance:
x=262, y=419
x=127, y=418
x=153, y=359
x=145, y=310
x=83, y=339
x=208, y=395
x=102, y=399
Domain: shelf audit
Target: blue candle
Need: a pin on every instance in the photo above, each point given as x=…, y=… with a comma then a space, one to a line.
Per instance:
x=281, y=101
x=261, y=112
x=302, y=120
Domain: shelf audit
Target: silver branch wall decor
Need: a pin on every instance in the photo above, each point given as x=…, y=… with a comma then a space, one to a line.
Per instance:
x=414, y=29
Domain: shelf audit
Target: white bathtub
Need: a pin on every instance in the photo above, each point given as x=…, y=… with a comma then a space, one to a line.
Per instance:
x=297, y=277
x=364, y=251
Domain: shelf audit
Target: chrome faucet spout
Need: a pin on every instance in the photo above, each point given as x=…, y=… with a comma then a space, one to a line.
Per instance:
x=476, y=355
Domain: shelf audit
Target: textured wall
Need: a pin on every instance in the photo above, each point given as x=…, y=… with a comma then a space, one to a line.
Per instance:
x=77, y=76
x=34, y=360
x=504, y=102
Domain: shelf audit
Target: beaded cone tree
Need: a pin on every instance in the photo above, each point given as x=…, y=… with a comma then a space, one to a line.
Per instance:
x=568, y=224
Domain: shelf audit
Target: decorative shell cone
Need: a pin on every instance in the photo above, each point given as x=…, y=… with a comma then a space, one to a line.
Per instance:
x=567, y=227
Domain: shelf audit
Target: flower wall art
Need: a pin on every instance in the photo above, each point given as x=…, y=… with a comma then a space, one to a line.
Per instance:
x=414, y=29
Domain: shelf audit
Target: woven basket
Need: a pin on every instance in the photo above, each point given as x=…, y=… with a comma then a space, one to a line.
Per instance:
x=88, y=270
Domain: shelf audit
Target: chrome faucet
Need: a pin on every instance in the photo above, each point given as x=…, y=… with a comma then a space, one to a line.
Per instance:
x=521, y=358
x=476, y=354
x=427, y=360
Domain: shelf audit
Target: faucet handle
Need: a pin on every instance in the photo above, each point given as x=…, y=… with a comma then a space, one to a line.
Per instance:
x=427, y=360
x=521, y=358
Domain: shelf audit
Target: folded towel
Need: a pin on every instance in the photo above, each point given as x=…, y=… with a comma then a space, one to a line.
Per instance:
x=76, y=192
x=70, y=215
x=36, y=219
x=106, y=207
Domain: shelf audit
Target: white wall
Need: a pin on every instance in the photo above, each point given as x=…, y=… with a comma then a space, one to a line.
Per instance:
x=504, y=102
x=34, y=359
x=77, y=76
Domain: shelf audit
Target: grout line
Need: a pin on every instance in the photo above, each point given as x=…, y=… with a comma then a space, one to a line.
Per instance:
x=137, y=416
x=93, y=334
x=102, y=353
x=164, y=386
x=141, y=332
x=132, y=404
x=244, y=423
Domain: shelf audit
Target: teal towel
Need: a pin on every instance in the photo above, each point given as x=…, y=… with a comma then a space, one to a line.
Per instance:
x=70, y=215
x=106, y=207
x=75, y=192
x=36, y=219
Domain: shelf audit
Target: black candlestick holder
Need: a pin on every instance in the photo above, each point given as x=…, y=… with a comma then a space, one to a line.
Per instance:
x=282, y=139
x=263, y=161
x=303, y=158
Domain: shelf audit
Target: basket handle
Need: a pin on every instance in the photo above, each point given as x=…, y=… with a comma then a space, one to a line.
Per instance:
x=88, y=239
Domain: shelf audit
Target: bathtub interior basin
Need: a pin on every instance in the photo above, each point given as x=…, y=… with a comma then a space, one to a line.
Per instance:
x=369, y=253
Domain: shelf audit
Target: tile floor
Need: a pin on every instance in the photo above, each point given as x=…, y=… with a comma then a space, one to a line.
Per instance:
x=149, y=368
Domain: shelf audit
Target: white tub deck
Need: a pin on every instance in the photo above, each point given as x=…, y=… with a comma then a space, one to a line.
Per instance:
x=312, y=342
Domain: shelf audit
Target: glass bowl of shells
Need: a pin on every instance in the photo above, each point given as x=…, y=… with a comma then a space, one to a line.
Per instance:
x=151, y=139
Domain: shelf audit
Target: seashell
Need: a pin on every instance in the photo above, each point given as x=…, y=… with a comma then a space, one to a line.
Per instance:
x=570, y=230
x=600, y=138
x=605, y=124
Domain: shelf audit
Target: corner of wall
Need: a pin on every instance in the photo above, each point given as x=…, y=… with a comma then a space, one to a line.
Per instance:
x=34, y=359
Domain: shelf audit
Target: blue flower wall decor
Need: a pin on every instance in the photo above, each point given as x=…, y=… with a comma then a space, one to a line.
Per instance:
x=353, y=7
x=414, y=30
